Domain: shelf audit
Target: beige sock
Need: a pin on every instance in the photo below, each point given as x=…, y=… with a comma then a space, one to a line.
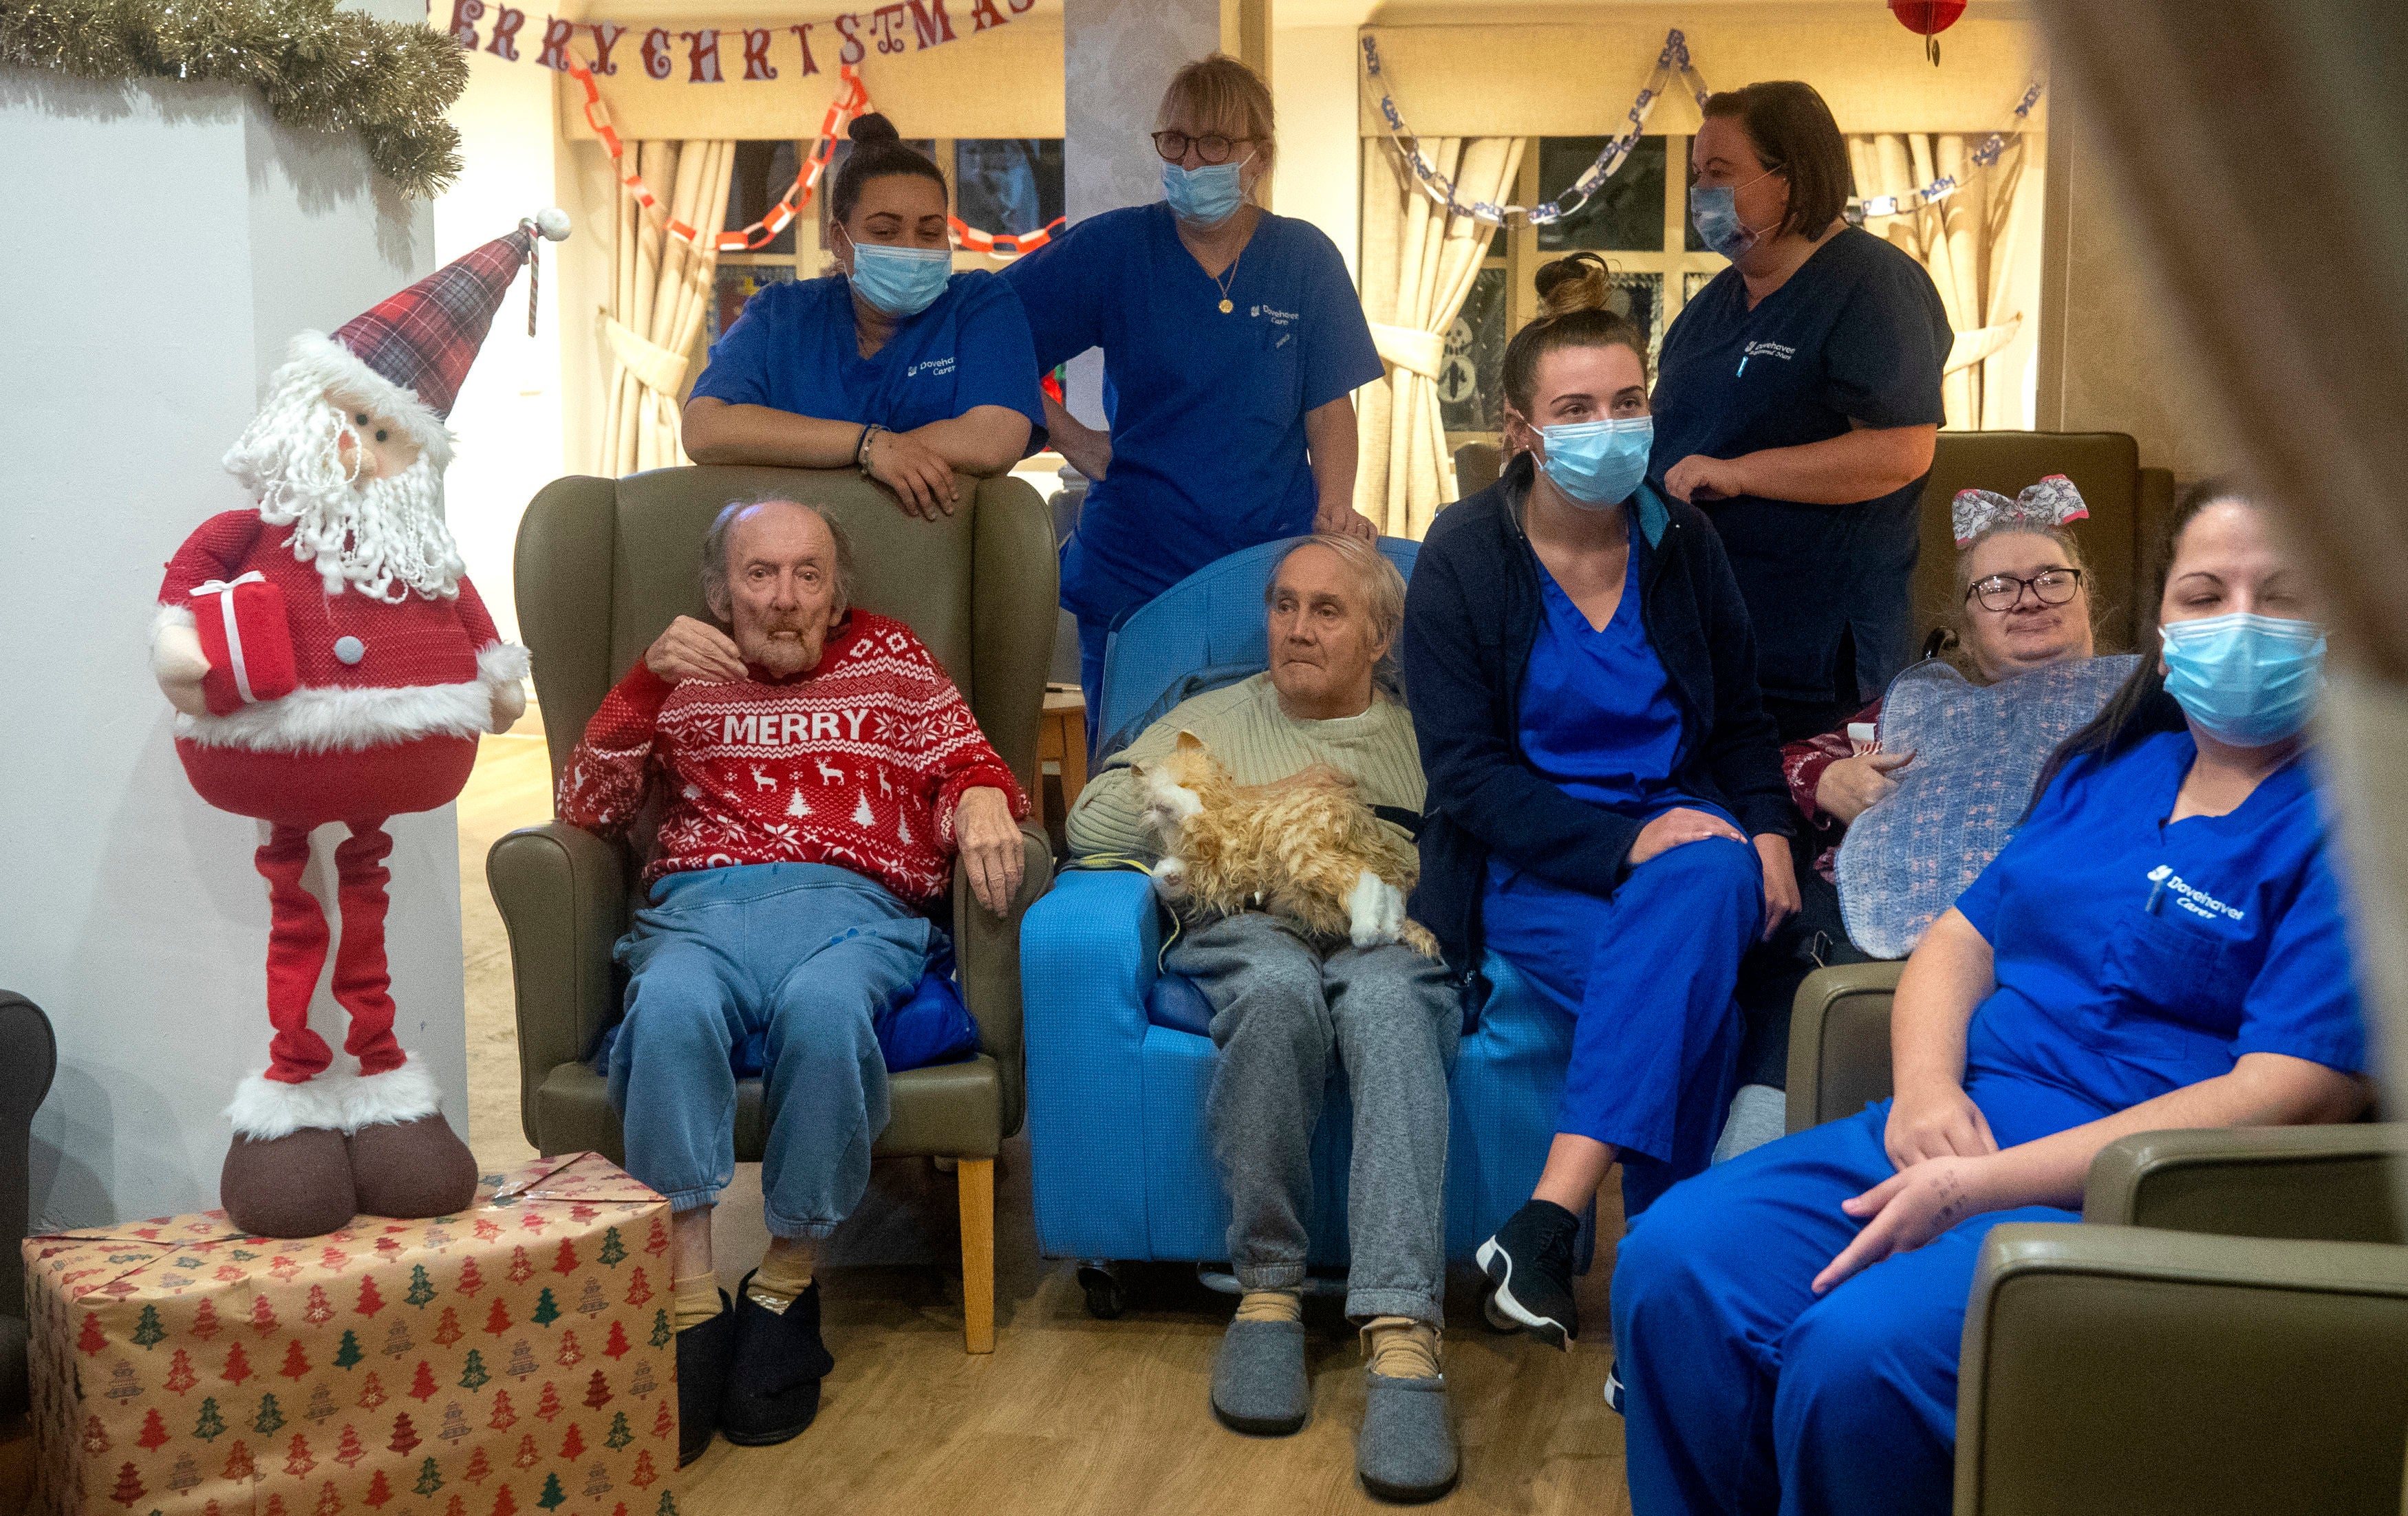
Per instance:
x=1400, y=1348
x=1271, y=1305
x=697, y=1300
x=785, y=1272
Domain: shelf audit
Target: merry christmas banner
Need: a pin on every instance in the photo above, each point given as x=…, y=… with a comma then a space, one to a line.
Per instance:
x=717, y=54
x=515, y=1360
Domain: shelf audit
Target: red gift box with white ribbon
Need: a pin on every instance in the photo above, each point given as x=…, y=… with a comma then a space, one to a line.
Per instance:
x=247, y=640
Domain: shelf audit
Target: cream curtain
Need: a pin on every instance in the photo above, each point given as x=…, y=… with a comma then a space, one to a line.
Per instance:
x=661, y=287
x=1417, y=264
x=1963, y=242
x=2256, y=147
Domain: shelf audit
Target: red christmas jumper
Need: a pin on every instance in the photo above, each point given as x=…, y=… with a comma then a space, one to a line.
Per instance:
x=859, y=763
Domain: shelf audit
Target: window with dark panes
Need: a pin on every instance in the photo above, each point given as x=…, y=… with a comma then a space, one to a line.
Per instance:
x=1007, y=185
x=764, y=172
x=1625, y=214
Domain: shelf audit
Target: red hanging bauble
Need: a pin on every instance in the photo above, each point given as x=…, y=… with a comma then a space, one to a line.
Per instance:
x=1927, y=19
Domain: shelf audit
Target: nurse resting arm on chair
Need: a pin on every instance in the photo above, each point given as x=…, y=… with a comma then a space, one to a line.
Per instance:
x=1800, y=402
x=1232, y=343
x=894, y=363
x=2161, y=946
x=1605, y=806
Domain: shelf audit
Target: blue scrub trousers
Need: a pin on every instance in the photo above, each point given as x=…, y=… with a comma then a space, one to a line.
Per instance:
x=805, y=953
x=1649, y=974
x=1092, y=636
x=1744, y=1391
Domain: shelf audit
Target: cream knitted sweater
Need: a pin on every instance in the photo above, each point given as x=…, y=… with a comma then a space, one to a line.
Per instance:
x=1245, y=728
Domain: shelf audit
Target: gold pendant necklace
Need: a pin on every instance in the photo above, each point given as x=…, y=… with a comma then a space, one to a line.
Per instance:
x=1230, y=276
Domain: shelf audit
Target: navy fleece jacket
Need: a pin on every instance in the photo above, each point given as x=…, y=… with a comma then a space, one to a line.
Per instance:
x=1471, y=616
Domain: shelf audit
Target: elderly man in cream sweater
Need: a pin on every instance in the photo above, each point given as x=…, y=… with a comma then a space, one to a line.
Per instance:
x=1285, y=1006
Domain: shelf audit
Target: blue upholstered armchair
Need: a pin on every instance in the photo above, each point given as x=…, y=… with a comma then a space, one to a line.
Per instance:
x=1118, y=1061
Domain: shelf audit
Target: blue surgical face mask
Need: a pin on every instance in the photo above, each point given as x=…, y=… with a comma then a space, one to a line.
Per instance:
x=900, y=281
x=1714, y=209
x=2247, y=680
x=1208, y=195
x=1598, y=465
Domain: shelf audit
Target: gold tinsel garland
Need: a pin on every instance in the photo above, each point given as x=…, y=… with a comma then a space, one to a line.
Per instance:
x=322, y=68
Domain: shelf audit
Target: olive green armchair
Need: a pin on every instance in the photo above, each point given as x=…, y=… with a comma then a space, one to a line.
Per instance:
x=2223, y=1333
x=603, y=565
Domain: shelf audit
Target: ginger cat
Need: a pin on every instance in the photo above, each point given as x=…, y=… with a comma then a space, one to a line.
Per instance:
x=1304, y=850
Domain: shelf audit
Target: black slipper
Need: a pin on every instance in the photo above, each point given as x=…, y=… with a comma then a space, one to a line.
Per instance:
x=773, y=1385
x=704, y=1352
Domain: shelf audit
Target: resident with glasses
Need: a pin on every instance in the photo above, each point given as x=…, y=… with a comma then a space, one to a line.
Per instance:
x=2021, y=605
x=1797, y=403
x=1232, y=339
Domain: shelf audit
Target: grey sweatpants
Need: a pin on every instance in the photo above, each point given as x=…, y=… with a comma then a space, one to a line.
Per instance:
x=1281, y=1008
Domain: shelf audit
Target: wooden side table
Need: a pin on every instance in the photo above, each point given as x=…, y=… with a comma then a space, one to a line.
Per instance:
x=1062, y=747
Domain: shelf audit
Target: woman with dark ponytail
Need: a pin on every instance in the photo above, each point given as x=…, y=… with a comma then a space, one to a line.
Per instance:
x=2161, y=947
x=1605, y=806
x=894, y=363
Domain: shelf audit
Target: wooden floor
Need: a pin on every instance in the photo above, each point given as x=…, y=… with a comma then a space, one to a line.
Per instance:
x=1070, y=1415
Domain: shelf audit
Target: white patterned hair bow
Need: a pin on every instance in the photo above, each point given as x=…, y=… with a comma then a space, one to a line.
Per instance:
x=2053, y=502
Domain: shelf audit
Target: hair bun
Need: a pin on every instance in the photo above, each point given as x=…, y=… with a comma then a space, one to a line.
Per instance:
x=1571, y=284
x=873, y=127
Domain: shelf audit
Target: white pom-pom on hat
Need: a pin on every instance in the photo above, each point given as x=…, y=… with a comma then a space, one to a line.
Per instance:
x=554, y=224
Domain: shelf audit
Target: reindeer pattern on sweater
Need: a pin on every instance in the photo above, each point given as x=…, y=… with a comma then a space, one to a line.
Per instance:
x=859, y=763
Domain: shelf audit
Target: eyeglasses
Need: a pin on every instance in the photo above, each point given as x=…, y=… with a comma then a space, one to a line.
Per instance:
x=1212, y=147
x=2004, y=592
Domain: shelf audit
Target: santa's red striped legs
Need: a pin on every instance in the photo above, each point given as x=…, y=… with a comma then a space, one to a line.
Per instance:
x=406, y=1161
x=289, y=1171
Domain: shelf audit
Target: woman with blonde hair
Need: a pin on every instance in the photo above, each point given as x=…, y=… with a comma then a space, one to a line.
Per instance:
x=1232, y=339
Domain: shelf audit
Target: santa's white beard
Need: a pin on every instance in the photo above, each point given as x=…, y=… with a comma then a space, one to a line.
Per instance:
x=386, y=537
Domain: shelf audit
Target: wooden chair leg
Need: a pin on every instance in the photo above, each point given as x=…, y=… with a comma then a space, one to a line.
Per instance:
x=975, y=1178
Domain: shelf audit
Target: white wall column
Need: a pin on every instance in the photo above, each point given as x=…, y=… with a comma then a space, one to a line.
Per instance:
x=131, y=913
x=1117, y=57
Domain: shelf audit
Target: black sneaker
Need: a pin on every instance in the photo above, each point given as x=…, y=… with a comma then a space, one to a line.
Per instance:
x=703, y=1353
x=1530, y=1259
x=773, y=1387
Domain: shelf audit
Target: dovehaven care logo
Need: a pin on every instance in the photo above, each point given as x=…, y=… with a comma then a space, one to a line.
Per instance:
x=2197, y=901
x=936, y=367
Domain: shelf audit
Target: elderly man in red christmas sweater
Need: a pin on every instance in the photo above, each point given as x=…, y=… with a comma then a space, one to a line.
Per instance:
x=820, y=773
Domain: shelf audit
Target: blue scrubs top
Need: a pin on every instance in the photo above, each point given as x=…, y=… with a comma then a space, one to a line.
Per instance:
x=1205, y=409
x=2134, y=957
x=1857, y=333
x=1598, y=717
x=795, y=348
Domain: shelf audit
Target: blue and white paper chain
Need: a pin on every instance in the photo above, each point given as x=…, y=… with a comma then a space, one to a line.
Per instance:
x=1985, y=156
x=1673, y=59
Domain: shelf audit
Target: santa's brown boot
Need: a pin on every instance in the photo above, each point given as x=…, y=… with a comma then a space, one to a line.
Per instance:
x=298, y=1185
x=412, y=1170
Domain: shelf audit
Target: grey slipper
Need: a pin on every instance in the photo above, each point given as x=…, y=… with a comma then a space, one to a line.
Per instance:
x=1406, y=1450
x=1258, y=1381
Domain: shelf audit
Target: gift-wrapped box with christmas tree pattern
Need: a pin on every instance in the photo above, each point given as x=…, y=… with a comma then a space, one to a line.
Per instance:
x=515, y=1360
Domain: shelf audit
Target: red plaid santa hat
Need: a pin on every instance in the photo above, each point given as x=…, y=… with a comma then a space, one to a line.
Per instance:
x=408, y=355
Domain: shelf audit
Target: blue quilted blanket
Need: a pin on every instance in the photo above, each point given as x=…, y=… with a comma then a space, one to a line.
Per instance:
x=1977, y=749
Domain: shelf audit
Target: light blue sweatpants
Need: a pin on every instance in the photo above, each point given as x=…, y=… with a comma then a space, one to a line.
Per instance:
x=805, y=953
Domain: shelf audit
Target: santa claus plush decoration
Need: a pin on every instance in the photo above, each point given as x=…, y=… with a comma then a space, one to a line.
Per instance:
x=332, y=664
